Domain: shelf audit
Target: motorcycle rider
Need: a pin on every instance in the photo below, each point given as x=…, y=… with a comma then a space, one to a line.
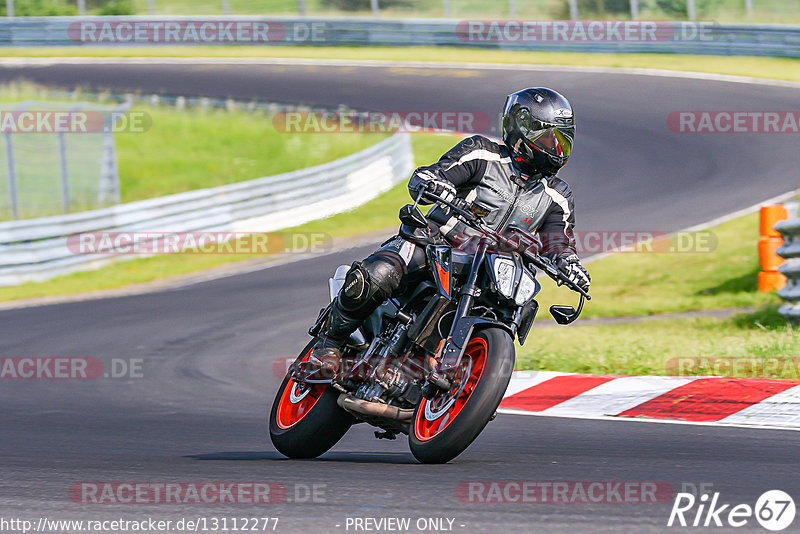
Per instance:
x=517, y=180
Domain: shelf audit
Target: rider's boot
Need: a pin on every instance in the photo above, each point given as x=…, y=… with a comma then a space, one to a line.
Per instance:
x=327, y=353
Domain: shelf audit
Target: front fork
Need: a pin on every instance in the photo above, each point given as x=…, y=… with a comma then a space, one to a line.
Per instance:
x=453, y=347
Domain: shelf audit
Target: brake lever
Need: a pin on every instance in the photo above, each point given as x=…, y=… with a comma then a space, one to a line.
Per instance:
x=556, y=274
x=422, y=191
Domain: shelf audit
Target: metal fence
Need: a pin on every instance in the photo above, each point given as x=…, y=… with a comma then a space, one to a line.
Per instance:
x=676, y=37
x=53, y=162
x=790, y=232
x=38, y=249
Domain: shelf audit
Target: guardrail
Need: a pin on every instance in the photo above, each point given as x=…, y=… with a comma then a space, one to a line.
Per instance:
x=580, y=36
x=790, y=232
x=37, y=249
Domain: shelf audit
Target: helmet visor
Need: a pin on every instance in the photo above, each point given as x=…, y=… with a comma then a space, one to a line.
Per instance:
x=552, y=139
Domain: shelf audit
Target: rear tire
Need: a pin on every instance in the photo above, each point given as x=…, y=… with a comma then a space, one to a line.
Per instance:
x=440, y=433
x=305, y=421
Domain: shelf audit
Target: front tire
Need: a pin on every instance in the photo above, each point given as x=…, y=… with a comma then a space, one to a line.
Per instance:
x=442, y=428
x=305, y=420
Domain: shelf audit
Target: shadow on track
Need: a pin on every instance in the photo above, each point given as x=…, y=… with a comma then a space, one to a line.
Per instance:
x=348, y=457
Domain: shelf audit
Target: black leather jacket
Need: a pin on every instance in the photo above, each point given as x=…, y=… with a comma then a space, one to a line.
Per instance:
x=482, y=170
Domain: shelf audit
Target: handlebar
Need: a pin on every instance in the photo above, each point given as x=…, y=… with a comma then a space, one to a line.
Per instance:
x=461, y=209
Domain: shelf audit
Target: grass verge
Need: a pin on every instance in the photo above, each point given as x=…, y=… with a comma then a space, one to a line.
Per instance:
x=750, y=345
x=189, y=150
x=763, y=67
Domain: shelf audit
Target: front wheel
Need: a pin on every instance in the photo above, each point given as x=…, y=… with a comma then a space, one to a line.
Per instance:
x=305, y=420
x=443, y=427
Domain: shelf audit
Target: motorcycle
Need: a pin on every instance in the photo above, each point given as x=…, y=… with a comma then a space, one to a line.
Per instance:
x=433, y=363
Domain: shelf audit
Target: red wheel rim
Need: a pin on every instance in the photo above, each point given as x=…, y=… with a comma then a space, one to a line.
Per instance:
x=297, y=400
x=433, y=416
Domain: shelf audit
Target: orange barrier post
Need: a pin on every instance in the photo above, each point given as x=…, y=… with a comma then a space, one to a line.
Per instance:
x=769, y=279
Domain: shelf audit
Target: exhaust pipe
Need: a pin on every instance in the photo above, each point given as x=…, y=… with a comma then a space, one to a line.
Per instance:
x=374, y=409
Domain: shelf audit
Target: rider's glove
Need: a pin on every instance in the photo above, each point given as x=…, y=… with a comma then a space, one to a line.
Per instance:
x=438, y=187
x=570, y=264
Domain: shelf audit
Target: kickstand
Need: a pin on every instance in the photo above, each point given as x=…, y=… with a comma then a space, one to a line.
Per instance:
x=385, y=434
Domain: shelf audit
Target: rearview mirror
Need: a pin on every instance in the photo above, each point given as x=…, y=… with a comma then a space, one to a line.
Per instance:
x=412, y=216
x=563, y=314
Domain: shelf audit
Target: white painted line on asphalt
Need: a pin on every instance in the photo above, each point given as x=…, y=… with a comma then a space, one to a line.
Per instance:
x=783, y=197
x=778, y=199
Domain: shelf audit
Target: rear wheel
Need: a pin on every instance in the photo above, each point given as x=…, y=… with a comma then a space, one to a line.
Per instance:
x=305, y=420
x=443, y=427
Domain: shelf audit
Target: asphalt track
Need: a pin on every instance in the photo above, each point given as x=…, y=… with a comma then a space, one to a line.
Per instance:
x=198, y=412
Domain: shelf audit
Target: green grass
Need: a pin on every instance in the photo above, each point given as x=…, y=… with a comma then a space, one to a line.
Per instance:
x=758, y=344
x=761, y=67
x=378, y=214
x=189, y=150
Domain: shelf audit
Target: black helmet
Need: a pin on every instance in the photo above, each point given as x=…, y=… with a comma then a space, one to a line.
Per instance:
x=538, y=126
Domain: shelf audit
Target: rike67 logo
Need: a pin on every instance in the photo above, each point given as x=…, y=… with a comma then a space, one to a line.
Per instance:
x=774, y=510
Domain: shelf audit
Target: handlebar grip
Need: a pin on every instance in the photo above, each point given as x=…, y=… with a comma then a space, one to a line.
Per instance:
x=462, y=204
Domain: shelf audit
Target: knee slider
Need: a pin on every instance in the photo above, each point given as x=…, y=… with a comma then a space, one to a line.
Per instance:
x=356, y=290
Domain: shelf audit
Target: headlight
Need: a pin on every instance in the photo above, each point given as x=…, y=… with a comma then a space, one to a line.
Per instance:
x=526, y=289
x=504, y=271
